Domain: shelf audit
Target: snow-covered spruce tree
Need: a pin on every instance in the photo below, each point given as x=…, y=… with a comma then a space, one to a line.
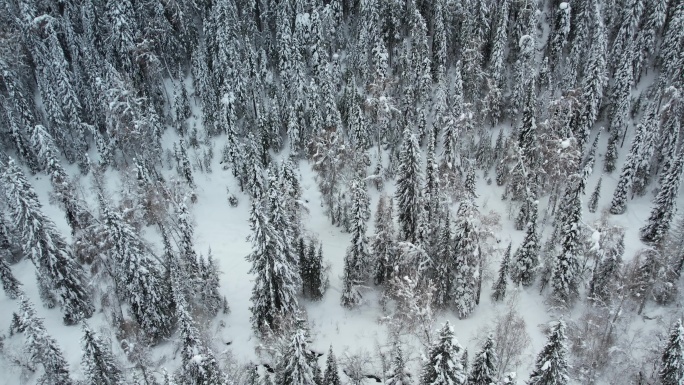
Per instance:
x=669, y=145
x=330, y=154
x=658, y=223
x=331, y=375
x=444, y=255
x=551, y=365
x=409, y=187
x=499, y=288
x=44, y=147
x=187, y=258
x=210, y=299
x=672, y=365
x=579, y=44
x=182, y=107
x=595, y=76
x=606, y=277
x=98, y=362
x=526, y=258
x=652, y=131
x=274, y=295
x=670, y=54
x=57, y=270
x=485, y=367
x=439, y=41
x=10, y=284
x=467, y=255
x=137, y=278
x=298, y=365
x=358, y=255
x=199, y=366
x=42, y=348
x=311, y=269
x=444, y=360
x=398, y=373
x=527, y=134
x=618, y=204
x=184, y=167
x=621, y=104
x=564, y=275
x=560, y=34
x=594, y=199
x=382, y=243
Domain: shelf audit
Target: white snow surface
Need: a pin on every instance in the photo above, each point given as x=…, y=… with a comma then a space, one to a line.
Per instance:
x=225, y=230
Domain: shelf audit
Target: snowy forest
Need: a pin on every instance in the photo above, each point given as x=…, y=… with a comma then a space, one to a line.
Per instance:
x=332, y=192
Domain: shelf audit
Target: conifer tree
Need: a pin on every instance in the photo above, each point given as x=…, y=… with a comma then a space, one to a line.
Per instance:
x=526, y=258
x=439, y=41
x=409, y=187
x=444, y=360
x=595, y=75
x=357, y=256
x=499, y=288
x=670, y=55
x=298, y=365
x=317, y=279
x=199, y=366
x=593, y=200
x=605, y=278
x=560, y=33
x=467, y=253
x=445, y=254
x=397, y=374
x=382, y=243
x=184, y=167
x=274, y=295
x=672, y=366
x=210, y=298
x=659, y=221
x=10, y=284
x=618, y=204
x=551, y=365
x=137, y=278
x=42, y=348
x=45, y=149
x=620, y=95
x=498, y=54
x=57, y=271
x=565, y=269
x=98, y=361
x=331, y=376
x=484, y=368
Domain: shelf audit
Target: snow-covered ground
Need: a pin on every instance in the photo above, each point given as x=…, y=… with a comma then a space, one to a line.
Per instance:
x=225, y=229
